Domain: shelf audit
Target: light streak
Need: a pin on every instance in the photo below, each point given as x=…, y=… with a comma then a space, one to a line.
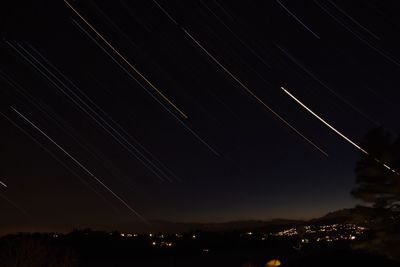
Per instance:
x=81, y=165
x=127, y=62
x=165, y=12
x=297, y=19
x=235, y=35
x=376, y=49
x=336, y=131
x=324, y=122
x=59, y=161
x=15, y=205
x=353, y=20
x=3, y=184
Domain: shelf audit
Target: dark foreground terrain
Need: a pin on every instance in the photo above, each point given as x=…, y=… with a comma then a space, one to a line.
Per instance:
x=92, y=248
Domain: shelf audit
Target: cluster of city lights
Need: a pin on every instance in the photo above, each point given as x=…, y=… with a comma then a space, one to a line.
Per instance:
x=162, y=244
x=327, y=233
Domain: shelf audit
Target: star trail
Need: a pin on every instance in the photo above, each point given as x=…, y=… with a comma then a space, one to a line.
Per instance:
x=120, y=112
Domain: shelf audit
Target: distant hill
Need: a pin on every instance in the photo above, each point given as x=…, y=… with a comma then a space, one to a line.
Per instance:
x=355, y=215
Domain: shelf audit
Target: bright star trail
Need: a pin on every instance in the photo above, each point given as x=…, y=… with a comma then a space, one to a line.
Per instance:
x=333, y=128
x=324, y=122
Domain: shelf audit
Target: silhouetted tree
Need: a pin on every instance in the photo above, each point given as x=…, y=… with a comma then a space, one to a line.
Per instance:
x=378, y=184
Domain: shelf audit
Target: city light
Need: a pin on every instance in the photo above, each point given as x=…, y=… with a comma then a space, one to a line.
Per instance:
x=327, y=233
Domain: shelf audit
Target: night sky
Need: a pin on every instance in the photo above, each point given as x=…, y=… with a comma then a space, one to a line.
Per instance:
x=121, y=111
